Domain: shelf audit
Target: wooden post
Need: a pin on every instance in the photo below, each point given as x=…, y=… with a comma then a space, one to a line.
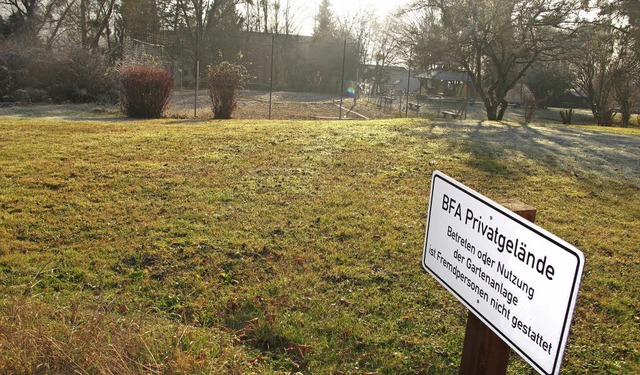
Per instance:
x=484, y=353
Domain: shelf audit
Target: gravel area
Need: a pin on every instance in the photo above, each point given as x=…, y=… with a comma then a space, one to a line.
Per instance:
x=284, y=106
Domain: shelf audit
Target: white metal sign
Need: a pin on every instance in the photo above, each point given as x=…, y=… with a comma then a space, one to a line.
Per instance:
x=519, y=279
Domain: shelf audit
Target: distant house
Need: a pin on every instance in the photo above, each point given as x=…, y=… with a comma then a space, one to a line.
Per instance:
x=389, y=80
x=572, y=99
x=443, y=82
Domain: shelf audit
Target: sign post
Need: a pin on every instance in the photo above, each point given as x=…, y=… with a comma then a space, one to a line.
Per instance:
x=484, y=352
x=519, y=282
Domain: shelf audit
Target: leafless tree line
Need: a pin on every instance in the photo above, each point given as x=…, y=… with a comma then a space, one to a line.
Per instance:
x=589, y=46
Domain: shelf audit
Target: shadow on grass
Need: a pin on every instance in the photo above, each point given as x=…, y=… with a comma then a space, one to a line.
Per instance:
x=485, y=157
x=575, y=150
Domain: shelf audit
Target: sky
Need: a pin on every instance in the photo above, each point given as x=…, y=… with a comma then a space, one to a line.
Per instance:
x=305, y=10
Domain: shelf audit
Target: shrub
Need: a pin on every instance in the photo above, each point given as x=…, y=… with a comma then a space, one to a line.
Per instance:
x=22, y=96
x=530, y=104
x=6, y=81
x=69, y=75
x=31, y=95
x=18, y=61
x=81, y=77
x=145, y=91
x=225, y=80
x=566, y=116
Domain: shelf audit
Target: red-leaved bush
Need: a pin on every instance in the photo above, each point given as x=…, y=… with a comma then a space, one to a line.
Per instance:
x=145, y=91
x=224, y=82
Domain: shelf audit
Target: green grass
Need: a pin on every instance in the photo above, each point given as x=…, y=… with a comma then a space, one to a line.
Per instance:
x=255, y=246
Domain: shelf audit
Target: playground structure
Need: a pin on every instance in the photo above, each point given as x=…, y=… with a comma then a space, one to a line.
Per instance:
x=441, y=93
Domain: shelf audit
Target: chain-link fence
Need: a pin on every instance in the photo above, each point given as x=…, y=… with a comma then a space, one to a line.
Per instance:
x=293, y=76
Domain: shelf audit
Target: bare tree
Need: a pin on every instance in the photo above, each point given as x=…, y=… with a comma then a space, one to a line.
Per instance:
x=359, y=30
x=624, y=17
x=626, y=94
x=94, y=18
x=39, y=18
x=626, y=91
x=140, y=18
x=627, y=10
x=276, y=17
x=495, y=41
x=385, y=51
x=282, y=18
x=288, y=18
x=264, y=4
x=604, y=68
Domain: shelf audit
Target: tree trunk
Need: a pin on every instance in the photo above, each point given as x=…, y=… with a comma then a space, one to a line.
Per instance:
x=83, y=23
x=625, y=113
x=265, y=14
x=492, y=111
x=622, y=93
x=503, y=108
x=495, y=110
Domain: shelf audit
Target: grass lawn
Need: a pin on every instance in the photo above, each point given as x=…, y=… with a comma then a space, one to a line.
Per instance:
x=252, y=246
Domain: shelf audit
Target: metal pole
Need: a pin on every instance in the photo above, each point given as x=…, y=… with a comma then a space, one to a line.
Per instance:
x=406, y=111
x=344, y=58
x=195, y=95
x=273, y=43
x=466, y=102
x=195, y=102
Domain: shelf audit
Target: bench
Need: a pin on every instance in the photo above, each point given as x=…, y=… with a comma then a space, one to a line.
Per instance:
x=447, y=113
x=414, y=107
x=388, y=102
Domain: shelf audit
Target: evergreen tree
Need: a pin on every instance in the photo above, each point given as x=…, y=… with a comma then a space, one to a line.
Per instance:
x=325, y=28
x=221, y=35
x=140, y=19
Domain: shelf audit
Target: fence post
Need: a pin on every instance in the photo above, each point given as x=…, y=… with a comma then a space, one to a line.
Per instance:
x=406, y=111
x=344, y=59
x=273, y=44
x=197, y=80
x=195, y=95
x=484, y=353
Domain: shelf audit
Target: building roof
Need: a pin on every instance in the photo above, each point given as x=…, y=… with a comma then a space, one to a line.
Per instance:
x=445, y=75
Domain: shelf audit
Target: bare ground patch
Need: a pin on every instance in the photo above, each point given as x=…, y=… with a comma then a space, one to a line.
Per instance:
x=284, y=106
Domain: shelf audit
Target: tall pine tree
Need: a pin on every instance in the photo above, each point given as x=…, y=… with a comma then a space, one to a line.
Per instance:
x=140, y=19
x=325, y=28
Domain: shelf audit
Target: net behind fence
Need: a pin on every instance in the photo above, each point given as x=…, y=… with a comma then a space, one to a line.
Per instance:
x=136, y=51
x=322, y=74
